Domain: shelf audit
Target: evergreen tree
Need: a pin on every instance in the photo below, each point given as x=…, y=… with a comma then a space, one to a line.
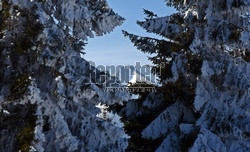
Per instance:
x=47, y=97
x=203, y=103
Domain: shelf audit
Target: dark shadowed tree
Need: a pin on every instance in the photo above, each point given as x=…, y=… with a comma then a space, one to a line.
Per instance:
x=203, y=103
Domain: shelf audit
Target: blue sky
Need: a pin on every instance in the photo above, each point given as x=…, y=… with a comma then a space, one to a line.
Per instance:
x=114, y=48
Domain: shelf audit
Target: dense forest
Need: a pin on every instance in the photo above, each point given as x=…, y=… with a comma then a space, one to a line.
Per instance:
x=50, y=101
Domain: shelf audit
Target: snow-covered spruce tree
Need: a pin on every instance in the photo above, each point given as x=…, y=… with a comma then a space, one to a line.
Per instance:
x=47, y=97
x=203, y=103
